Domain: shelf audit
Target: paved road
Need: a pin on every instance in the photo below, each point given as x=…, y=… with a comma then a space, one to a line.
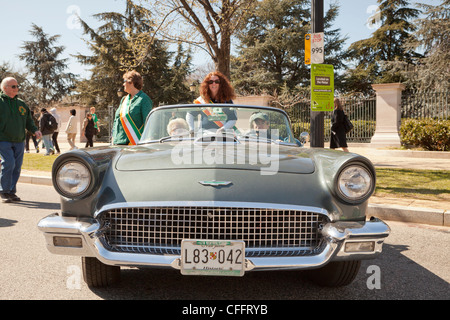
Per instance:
x=414, y=265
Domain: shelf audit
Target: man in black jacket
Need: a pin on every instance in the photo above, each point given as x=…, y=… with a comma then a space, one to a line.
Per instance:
x=45, y=126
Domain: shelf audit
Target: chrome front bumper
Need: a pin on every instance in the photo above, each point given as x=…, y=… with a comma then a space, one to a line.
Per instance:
x=341, y=239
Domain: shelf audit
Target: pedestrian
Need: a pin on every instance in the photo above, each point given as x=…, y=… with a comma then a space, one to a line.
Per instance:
x=134, y=108
x=95, y=119
x=338, y=137
x=47, y=125
x=89, y=130
x=56, y=132
x=71, y=129
x=31, y=136
x=14, y=120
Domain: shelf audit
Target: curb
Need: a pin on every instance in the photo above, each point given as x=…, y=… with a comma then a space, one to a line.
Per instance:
x=436, y=217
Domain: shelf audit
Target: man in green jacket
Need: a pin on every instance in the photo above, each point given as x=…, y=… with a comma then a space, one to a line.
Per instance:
x=15, y=117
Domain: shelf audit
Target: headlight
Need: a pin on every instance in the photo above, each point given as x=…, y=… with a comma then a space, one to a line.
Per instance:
x=355, y=183
x=73, y=178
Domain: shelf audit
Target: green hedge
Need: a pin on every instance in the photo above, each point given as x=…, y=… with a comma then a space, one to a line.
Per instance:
x=430, y=134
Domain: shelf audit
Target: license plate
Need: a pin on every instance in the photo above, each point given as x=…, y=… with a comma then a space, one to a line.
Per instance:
x=212, y=258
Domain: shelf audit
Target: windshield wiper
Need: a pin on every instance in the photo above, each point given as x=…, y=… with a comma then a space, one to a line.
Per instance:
x=258, y=138
x=175, y=137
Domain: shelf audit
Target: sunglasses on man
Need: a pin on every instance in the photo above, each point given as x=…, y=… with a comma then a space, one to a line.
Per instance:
x=14, y=86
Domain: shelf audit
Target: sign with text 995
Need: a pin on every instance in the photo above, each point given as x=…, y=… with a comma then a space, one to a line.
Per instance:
x=212, y=257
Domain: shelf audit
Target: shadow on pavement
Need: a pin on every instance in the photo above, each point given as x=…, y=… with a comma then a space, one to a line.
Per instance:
x=401, y=278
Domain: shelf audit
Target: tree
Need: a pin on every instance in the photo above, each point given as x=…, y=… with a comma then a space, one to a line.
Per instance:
x=128, y=42
x=208, y=24
x=432, y=36
x=387, y=44
x=271, y=47
x=42, y=59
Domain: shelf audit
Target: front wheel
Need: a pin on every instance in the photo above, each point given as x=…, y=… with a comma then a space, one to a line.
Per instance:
x=97, y=274
x=335, y=274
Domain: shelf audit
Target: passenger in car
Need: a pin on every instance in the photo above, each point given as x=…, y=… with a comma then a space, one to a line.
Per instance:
x=215, y=88
x=177, y=127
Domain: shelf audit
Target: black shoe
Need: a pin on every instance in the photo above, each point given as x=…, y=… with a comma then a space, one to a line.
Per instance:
x=13, y=197
x=5, y=198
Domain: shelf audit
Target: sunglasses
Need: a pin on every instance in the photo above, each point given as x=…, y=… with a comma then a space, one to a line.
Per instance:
x=213, y=81
x=14, y=87
x=126, y=80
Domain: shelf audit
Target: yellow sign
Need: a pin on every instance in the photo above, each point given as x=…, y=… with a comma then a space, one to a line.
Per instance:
x=308, y=49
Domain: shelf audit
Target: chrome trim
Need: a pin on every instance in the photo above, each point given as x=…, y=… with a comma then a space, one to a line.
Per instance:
x=336, y=235
x=248, y=205
x=215, y=183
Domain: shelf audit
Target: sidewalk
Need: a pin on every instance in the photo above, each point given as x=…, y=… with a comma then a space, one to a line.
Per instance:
x=396, y=209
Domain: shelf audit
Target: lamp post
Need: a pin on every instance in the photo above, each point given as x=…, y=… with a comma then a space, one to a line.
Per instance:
x=317, y=117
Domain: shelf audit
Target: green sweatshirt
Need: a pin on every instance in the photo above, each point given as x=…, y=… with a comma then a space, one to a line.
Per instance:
x=15, y=117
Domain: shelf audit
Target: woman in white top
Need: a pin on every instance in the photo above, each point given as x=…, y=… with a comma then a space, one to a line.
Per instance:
x=71, y=129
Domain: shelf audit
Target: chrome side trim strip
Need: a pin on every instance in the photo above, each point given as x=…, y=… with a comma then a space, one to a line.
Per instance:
x=249, y=205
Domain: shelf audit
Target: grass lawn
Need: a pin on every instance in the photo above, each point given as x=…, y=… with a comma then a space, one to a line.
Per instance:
x=38, y=162
x=398, y=183
x=417, y=184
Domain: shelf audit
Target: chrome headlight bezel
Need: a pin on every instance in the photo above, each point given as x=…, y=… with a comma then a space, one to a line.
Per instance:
x=355, y=183
x=73, y=178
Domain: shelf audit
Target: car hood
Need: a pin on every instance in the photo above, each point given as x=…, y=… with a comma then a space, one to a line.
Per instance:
x=268, y=158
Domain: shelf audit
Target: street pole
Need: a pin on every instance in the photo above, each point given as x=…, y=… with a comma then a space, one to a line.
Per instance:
x=317, y=117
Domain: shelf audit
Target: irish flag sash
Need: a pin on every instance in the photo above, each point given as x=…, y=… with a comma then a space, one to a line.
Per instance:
x=207, y=111
x=128, y=124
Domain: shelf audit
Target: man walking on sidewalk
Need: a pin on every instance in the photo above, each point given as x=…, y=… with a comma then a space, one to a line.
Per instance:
x=15, y=117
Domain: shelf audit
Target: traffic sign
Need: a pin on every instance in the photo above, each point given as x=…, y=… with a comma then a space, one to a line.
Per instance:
x=307, y=48
x=322, y=87
x=317, y=47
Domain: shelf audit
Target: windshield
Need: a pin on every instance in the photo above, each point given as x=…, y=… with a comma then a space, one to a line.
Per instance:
x=193, y=122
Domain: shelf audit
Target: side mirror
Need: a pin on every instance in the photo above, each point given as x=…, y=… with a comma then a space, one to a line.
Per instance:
x=304, y=137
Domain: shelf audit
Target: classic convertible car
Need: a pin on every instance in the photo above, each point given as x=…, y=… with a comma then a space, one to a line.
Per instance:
x=215, y=190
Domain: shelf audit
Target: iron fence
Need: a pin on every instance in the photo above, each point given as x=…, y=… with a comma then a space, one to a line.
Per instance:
x=361, y=112
x=425, y=104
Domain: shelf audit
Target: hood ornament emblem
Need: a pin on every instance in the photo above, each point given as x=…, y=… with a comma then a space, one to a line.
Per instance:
x=214, y=183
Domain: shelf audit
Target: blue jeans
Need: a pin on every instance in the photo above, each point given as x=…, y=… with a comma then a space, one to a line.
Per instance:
x=48, y=143
x=11, y=154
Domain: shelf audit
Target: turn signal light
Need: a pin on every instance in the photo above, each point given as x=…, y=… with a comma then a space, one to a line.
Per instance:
x=68, y=242
x=365, y=246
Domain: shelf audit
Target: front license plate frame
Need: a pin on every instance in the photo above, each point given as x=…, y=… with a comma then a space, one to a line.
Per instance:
x=213, y=257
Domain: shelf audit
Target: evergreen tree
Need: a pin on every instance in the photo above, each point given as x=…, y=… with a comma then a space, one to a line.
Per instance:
x=432, y=36
x=387, y=44
x=127, y=42
x=271, y=47
x=47, y=69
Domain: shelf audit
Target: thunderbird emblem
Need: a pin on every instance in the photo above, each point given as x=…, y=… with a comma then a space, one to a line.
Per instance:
x=215, y=183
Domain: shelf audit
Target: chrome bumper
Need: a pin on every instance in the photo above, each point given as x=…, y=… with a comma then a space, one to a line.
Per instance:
x=339, y=236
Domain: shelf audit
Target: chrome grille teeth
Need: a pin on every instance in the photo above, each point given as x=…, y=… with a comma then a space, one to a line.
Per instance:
x=160, y=230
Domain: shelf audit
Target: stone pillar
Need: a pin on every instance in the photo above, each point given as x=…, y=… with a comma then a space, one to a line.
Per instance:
x=388, y=115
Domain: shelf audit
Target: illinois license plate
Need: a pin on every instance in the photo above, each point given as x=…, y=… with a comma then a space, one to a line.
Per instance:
x=212, y=258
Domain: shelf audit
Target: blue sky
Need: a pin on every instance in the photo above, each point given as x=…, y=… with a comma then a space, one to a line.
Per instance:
x=56, y=17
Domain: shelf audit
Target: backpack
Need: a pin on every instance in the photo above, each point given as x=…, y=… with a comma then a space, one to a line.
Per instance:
x=51, y=122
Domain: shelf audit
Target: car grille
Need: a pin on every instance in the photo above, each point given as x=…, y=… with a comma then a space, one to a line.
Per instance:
x=265, y=231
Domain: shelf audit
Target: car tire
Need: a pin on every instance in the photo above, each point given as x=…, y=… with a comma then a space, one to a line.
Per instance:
x=335, y=274
x=97, y=274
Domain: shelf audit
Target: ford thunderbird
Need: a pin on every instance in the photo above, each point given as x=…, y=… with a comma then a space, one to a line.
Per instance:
x=215, y=190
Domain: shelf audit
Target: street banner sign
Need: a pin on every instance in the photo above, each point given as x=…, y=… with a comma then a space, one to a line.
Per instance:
x=307, y=48
x=322, y=87
x=317, y=47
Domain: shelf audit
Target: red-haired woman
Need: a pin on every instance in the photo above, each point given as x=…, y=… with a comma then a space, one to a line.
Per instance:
x=215, y=88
